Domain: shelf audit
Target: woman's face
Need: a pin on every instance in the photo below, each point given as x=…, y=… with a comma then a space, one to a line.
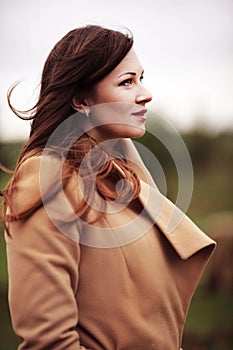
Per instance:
x=118, y=102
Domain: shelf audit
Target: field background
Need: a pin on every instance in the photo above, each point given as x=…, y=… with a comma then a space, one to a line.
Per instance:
x=210, y=319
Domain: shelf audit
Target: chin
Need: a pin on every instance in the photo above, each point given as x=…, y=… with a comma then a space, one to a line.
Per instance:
x=136, y=132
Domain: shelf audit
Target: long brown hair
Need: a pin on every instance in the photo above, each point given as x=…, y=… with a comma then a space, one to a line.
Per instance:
x=77, y=62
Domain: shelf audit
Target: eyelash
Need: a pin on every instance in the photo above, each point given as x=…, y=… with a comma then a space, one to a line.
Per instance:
x=128, y=81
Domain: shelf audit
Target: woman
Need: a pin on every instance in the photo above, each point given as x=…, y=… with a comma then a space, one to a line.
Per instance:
x=92, y=264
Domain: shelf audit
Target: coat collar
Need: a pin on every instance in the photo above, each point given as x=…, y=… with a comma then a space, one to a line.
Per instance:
x=185, y=237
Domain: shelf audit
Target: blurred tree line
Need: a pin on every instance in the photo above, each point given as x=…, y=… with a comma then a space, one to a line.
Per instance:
x=209, y=323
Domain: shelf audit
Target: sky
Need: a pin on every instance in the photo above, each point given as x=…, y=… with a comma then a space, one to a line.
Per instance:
x=185, y=47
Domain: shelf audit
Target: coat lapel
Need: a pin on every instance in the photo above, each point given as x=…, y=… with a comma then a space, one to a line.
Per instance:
x=185, y=237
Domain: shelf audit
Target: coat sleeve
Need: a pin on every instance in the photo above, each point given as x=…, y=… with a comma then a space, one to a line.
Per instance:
x=43, y=276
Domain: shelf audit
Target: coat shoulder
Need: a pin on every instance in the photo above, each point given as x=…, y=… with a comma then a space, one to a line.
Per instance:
x=39, y=178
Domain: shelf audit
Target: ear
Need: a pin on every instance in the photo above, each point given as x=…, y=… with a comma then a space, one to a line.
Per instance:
x=79, y=104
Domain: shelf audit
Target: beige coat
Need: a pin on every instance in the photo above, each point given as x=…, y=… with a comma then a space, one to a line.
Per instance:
x=123, y=284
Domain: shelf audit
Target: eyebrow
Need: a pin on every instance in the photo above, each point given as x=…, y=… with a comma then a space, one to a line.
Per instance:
x=131, y=73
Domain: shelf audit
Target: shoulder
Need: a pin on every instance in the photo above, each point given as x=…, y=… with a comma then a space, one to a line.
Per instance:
x=26, y=189
x=39, y=178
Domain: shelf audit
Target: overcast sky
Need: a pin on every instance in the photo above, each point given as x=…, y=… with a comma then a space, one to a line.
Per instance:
x=185, y=46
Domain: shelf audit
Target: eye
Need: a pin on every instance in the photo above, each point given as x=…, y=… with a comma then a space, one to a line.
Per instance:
x=141, y=78
x=127, y=82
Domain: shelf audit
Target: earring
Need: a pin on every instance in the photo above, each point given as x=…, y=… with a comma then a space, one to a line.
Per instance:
x=87, y=112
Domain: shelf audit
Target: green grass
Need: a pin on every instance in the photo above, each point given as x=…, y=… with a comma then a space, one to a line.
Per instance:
x=210, y=312
x=3, y=263
x=8, y=340
x=209, y=322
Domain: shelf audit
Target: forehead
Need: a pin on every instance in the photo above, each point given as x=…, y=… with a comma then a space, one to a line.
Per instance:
x=130, y=63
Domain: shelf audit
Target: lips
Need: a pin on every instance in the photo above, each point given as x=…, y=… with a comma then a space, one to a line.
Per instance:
x=140, y=114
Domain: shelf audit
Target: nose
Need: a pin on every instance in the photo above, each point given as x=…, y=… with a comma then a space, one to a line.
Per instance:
x=143, y=96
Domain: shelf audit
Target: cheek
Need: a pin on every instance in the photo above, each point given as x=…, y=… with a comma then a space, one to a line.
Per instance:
x=114, y=120
x=112, y=112
x=109, y=93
